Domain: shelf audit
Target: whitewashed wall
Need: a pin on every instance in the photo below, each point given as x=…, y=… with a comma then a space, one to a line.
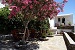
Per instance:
x=68, y=18
x=52, y=24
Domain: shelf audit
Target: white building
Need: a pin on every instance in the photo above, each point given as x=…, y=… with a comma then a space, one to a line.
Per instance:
x=64, y=20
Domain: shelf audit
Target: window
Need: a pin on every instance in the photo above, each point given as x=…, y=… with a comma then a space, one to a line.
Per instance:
x=63, y=20
x=58, y=19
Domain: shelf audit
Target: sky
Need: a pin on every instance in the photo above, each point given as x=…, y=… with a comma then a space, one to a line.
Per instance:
x=68, y=9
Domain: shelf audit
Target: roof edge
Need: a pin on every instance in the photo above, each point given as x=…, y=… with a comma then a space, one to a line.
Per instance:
x=65, y=14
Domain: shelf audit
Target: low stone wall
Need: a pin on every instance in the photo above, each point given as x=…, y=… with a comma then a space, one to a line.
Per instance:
x=69, y=41
x=72, y=35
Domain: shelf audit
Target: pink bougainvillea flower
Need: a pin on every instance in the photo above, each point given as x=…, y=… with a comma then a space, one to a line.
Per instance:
x=49, y=8
x=30, y=1
x=63, y=5
x=25, y=2
x=23, y=7
x=35, y=1
x=31, y=6
x=17, y=9
x=51, y=16
x=65, y=0
x=46, y=8
x=10, y=1
x=18, y=0
x=14, y=11
x=46, y=0
x=11, y=7
x=58, y=11
x=3, y=2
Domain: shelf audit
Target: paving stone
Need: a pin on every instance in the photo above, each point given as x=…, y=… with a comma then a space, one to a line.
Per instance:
x=54, y=43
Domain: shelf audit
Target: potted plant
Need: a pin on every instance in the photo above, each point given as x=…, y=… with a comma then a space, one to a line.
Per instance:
x=43, y=37
x=69, y=23
x=50, y=34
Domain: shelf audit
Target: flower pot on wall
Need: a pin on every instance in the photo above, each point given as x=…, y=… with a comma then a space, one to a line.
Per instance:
x=50, y=33
x=69, y=23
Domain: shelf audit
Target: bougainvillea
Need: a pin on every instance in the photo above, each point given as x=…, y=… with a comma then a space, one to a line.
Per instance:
x=38, y=8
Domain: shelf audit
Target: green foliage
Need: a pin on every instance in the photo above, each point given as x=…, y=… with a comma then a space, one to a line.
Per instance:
x=4, y=12
x=50, y=33
x=6, y=25
x=32, y=24
x=69, y=23
x=45, y=24
x=38, y=25
x=44, y=35
x=15, y=23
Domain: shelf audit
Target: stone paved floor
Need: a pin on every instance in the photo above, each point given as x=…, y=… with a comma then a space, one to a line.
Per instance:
x=54, y=43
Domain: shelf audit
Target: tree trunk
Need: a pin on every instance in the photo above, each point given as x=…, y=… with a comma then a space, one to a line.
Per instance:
x=26, y=27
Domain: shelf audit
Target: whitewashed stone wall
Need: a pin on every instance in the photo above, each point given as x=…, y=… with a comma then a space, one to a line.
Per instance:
x=68, y=18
